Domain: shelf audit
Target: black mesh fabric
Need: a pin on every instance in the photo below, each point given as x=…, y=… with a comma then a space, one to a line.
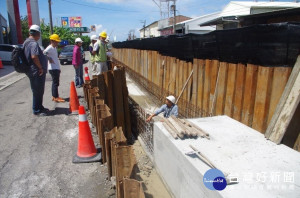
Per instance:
x=267, y=45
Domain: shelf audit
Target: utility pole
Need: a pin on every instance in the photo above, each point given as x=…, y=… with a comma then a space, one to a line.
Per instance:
x=144, y=25
x=173, y=8
x=50, y=17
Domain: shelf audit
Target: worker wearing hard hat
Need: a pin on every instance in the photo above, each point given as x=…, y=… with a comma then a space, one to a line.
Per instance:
x=92, y=60
x=77, y=63
x=99, y=51
x=53, y=66
x=169, y=109
x=38, y=69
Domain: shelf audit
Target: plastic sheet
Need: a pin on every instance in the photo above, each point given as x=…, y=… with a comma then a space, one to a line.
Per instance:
x=267, y=45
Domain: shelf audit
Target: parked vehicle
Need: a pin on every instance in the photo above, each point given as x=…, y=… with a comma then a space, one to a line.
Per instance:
x=5, y=52
x=66, y=54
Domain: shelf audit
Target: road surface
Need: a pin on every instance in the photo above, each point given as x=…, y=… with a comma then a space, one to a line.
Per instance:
x=36, y=152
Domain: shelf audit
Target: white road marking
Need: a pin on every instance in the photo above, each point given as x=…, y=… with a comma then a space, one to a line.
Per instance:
x=10, y=79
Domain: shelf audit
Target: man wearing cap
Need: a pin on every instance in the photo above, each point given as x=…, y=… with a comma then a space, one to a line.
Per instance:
x=38, y=69
x=91, y=47
x=53, y=66
x=169, y=109
x=77, y=63
x=99, y=51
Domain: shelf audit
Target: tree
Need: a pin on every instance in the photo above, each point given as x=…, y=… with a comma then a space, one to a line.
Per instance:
x=64, y=34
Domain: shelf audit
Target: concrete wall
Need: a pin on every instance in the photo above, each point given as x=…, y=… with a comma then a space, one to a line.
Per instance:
x=235, y=149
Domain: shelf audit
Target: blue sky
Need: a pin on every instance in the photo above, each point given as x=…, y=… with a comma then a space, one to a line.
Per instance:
x=117, y=17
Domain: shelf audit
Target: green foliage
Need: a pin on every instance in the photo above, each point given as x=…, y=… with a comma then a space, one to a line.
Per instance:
x=64, y=34
x=24, y=26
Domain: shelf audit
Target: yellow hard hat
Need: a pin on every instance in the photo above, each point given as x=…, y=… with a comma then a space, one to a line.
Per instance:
x=55, y=37
x=103, y=34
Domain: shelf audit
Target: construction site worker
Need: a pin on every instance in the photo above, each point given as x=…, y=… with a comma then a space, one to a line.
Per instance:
x=77, y=63
x=54, y=66
x=92, y=60
x=169, y=109
x=99, y=51
x=38, y=69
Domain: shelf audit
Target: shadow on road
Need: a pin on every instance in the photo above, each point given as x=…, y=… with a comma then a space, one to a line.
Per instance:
x=59, y=111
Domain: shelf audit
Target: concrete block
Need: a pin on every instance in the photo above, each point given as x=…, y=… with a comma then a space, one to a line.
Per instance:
x=260, y=165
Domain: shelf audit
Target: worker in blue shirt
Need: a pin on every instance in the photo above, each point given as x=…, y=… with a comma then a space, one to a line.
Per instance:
x=169, y=109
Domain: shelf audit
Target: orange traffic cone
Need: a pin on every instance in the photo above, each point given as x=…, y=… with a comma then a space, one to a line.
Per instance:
x=1, y=65
x=86, y=74
x=74, y=102
x=86, y=151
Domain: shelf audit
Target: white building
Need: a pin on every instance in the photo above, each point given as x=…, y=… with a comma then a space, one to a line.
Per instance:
x=150, y=30
x=192, y=25
x=228, y=17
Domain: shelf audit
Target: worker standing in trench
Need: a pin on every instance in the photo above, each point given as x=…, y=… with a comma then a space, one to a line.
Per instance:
x=169, y=109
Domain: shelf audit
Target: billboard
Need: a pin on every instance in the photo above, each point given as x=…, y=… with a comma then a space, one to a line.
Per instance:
x=65, y=21
x=75, y=21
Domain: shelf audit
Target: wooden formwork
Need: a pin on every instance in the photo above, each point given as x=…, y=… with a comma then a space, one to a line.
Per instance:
x=130, y=188
x=115, y=136
x=248, y=93
x=107, y=99
x=125, y=162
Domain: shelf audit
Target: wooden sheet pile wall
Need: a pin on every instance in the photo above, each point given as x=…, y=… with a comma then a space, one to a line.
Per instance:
x=248, y=93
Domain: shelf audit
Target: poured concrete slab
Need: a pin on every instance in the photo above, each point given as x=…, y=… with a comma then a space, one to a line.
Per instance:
x=263, y=168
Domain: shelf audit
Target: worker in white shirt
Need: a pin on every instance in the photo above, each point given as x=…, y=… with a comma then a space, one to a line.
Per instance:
x=54, y=66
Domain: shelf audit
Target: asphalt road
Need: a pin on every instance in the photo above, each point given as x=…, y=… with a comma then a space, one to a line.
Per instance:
x=36, y=152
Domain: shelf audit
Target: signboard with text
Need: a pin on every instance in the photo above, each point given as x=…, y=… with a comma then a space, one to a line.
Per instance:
x=75, y=21
x=65, y=21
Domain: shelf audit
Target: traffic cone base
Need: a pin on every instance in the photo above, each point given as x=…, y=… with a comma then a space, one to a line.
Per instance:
x=96, y=158
x=86, y=151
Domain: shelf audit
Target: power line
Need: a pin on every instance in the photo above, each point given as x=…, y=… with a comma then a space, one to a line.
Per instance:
x=101, y=8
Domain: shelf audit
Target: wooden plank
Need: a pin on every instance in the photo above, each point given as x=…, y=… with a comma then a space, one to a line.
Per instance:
x=173, y=76
x=287, y=106
x=206, y=93
x=125, y=161
x=230, y=89
x=201, y=73
x=149, y=65
x=180, y=82
x=239, y=92
x=177, y=82
x=221, y=88
x=280, y=78
x=262, y=98
x=189, y=87
x=118, y=99
x=213, y=82
x=133, y=188
x=195, y=82
x=249, y=94
x=108, y=76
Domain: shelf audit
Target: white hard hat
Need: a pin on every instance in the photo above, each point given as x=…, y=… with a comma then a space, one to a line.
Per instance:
x=78, y=40
x=35, y=28
x=171, y=98
x=93, y=37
